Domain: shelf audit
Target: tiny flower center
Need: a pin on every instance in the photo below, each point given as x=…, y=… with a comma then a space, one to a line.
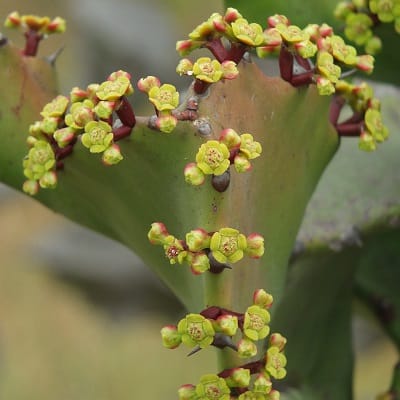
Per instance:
x=248, y=31
x=213, y=157
x=195, y=331
x=172, y=252
x=385, y=5
x=165, y=96
x=276, y=362
x=207, y=68
x=228, y=245
x=97, y=135
x=256, y=322
x=212, y=392
x=40, y=156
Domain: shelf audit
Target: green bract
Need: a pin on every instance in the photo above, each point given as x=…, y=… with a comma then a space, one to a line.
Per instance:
x=250, y=34
x=207, y=70
x=276, y=362
x=213, y=158
x=197, y=239
x=212, y=387
x=227, y=324
x=227, y=245
x=165, y=97
x=196, y=330
x=112, y=155
x=166, y=123
x=246, y=348
x=256, y=321
x=98, y=136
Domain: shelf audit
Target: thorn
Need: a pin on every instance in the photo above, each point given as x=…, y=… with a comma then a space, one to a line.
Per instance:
x=348, y=73
x=52, y=58
x=221, y=341
x=194, y=351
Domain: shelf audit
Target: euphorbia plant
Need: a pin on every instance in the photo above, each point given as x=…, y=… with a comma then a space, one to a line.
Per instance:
x=228, y=167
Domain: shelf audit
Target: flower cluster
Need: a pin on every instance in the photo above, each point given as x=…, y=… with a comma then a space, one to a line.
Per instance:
x=215, y=156
x=310, y=55
x=217, y=326
x=361, y=17
x=165, y=99
x=366, y=120
x=207, y=71
x=205, y=251
x=43, y=25
x=87, y=114
x=35, y=29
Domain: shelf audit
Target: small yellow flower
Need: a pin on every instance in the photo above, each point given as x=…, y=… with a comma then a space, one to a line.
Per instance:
x=207, y=70
x=98, y=136
x=165, y=97
x=213, y=158
x=250, y=34
x=276, y=362
x=256, y=320
x=228, y=245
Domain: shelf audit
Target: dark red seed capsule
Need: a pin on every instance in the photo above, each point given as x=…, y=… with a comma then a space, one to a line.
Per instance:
x=221, y=182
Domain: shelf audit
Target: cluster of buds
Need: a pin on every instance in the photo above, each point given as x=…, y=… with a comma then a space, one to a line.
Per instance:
x=207, y=251
x=87, y=114
x=215, y=157
x=366, y=120
x=35, y=29
x=310, y=55
x=207, y=71
x=217, y=326
x=362, y=16
x=165, y=99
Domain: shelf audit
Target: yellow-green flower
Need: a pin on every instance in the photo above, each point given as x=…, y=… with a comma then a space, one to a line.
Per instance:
x=213, y=158
x=341, y=51
x=166, y=123
x=374, y=124
x=276, y=362
x=40, y=160
x=165, y=97
x=228, y=245
x=199, y=262
x=249, y=147
x=227, y=324
x=325, y=86
x=358, y=28
x=255, y=325
x=196, y=330
x=367, y=142
x=64, y=136
x=326, y=66
x=207, y=70
x=80, y=114
x=262, y=384
x=56, y=108
x=292, y=33
x=238, y=378
x=212, y=387
x=306, y=48
x=193, y=174
x=112, y=90
x=98, y=136
x=387, y=10
x=174, y=250
x=170, y=337
x=250, y=34
x=250, y=395
x=112, y=155
x=246, y=348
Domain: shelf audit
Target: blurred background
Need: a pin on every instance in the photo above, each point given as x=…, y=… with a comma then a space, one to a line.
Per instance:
x=79, y=314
